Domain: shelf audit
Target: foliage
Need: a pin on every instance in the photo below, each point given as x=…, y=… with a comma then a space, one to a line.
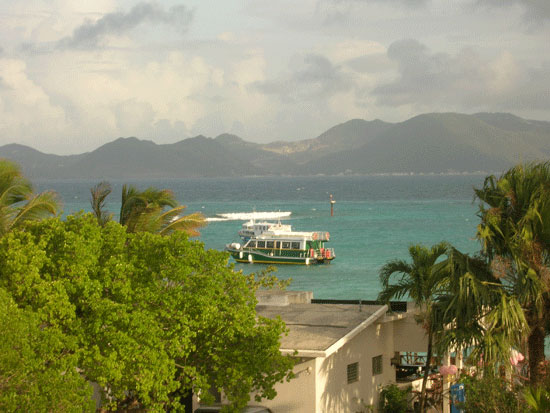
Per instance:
x=145, y=210
x=420, y=281
x=149, y=318
x=18, y=204
x=515, y=233
x=490, y=393
x=393, y=399
x=38, y=367
x=477, y=311
x=538, y=399
x=267, y=280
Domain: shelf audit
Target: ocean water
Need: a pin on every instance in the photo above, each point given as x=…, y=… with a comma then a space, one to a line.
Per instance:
x=376, y=218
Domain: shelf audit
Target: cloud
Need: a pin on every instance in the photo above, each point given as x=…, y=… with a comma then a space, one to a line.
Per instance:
x=407, y=3
x=91, y=34
x=317, y=78
x=24, y=106
x=466, y=81
x=535, y=12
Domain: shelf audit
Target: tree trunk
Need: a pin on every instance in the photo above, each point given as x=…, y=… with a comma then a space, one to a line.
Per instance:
x=426, y=370
x=535, y=344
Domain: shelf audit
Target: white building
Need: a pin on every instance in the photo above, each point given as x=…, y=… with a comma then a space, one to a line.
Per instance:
x=345, y=351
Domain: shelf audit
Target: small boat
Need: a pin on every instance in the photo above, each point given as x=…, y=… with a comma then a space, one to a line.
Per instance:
x=274, y=243
x=253, y=229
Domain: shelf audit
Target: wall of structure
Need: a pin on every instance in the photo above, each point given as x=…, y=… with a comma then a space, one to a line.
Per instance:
x=298, y=395
x=334, y=393
x=409, y=336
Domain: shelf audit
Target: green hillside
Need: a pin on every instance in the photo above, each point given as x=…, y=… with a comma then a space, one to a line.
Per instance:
x=428, y=143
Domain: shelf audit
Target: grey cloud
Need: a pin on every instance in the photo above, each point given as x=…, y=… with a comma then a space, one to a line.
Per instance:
x=373, y=63
x=465, y=81
x=90, y=34
x=535, y=12
x=318, y=78
x=408, y=3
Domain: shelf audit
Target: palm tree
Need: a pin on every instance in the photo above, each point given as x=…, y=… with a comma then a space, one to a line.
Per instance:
x=477, y=311
x=145, y=210
x=515, y=232
x=18, y=203
x=99, y=194
x=420, y=282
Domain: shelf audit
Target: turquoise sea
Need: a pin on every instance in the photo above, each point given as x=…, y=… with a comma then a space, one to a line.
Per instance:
x=375, y=218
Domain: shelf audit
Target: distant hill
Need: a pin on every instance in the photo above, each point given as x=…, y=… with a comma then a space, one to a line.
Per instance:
x=435, y=142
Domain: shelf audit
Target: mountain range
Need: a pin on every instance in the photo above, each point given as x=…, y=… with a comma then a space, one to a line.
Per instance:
x=428, y=143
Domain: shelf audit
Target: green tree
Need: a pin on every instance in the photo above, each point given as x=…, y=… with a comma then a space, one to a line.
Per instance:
x=418, y=280
x=146, y=210
x=477, y=311
x=154, y=318
x=38, y=366
x=515, y=233
x=18, y=203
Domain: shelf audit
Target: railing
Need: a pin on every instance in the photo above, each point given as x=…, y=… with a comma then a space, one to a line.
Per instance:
x=395, y=306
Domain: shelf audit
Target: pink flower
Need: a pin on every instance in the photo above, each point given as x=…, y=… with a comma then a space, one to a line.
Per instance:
x=516, y=357
x=448, y=370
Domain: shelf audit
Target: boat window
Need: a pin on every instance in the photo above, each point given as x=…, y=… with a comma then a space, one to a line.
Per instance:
x=252, y=244
x=269, y=244
x=261, y=244
x=278, y=245
x=286, y=244
x=295, y=245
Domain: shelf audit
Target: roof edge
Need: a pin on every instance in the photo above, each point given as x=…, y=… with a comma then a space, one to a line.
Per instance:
x=340, y=343
x=303, y=353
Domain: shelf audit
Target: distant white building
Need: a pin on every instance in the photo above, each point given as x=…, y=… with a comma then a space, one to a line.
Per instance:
x=345, y=351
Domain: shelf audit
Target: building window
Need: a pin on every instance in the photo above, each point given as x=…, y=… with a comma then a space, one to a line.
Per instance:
x=377, y=365
x=353, y=372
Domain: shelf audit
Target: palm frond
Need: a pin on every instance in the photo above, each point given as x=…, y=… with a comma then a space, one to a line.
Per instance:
x=14, y=187
x=186, y=223
x=98, y=195
x=38, y=207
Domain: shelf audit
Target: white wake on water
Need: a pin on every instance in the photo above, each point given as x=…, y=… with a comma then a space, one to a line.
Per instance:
x=247, y=216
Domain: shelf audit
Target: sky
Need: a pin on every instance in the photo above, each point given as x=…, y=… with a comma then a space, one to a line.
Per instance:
x=76, y=74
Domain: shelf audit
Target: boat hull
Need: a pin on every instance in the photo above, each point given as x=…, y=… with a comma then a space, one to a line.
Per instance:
x=260, y=257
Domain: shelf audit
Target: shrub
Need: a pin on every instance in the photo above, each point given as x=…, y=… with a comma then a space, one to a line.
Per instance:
x=393, y=399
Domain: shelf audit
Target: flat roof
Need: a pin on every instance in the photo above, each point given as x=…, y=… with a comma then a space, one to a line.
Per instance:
x=318, y=330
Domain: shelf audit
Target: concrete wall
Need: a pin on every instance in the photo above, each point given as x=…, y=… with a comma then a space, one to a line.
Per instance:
x=334, y=394
x=409, y=336
x=298, y=395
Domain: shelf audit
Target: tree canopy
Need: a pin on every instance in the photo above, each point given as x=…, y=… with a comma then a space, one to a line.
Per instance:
x=515, y=234
x=498, y=300
x=148, y=318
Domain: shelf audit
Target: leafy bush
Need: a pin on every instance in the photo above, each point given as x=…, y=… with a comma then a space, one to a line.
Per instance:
x=538, y=399
x=491, y=394
x=393, y=399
